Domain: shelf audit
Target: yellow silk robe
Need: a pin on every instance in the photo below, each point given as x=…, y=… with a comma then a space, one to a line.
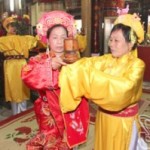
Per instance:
x=111, y=83
x=15, y=90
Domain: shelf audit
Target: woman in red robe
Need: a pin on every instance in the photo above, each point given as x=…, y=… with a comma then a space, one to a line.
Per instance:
x=56, y=130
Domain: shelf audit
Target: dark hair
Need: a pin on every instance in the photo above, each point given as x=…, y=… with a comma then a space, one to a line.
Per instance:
x=50, y=29
x=21, y=25
x=13, y=24
x=126, y=30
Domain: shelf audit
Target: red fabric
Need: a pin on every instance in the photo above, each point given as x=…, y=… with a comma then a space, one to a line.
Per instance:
x=53, y=101
x=51, y=125
x=128, y=112
x=76, y=123
x=2, y=33
x=38, y=75
x=45, y=118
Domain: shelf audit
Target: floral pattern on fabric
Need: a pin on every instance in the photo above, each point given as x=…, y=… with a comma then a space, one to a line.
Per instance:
x=52, y=123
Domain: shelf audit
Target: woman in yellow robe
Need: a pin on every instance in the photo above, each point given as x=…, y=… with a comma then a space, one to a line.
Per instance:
x=16, y=50
x=113, y=82
x=15, y=46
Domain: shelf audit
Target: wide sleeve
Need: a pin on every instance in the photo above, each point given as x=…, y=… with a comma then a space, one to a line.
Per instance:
x=29, y=42
x=39, y=75
x=74, y=82
x=5, y=43
x=19, y=44
x=108, y=91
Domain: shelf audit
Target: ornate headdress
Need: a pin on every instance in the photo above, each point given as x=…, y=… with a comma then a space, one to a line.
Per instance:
x=20, y=22
x=52, y=18
x=133, y=21
x=7, y=21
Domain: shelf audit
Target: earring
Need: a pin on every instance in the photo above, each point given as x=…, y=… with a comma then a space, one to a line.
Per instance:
x=47, y=50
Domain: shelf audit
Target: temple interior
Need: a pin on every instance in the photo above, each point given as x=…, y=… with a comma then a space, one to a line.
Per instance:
x=95, y=18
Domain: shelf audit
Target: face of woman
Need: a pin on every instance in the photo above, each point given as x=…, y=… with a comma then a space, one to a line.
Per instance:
x=11, y=30
x=56, y=39
x=118, y=45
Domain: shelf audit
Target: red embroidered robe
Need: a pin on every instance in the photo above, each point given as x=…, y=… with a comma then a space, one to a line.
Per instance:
x=56, y=130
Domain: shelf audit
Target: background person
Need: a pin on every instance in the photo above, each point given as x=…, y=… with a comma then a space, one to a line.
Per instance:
x=16, y=50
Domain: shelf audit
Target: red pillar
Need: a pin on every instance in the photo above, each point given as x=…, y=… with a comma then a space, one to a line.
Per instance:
x=95, y=26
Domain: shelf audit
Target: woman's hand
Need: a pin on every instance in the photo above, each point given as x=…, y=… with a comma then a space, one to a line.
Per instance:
x=57, y=62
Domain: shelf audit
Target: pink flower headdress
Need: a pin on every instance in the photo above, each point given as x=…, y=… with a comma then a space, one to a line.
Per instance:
x=52, y=18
